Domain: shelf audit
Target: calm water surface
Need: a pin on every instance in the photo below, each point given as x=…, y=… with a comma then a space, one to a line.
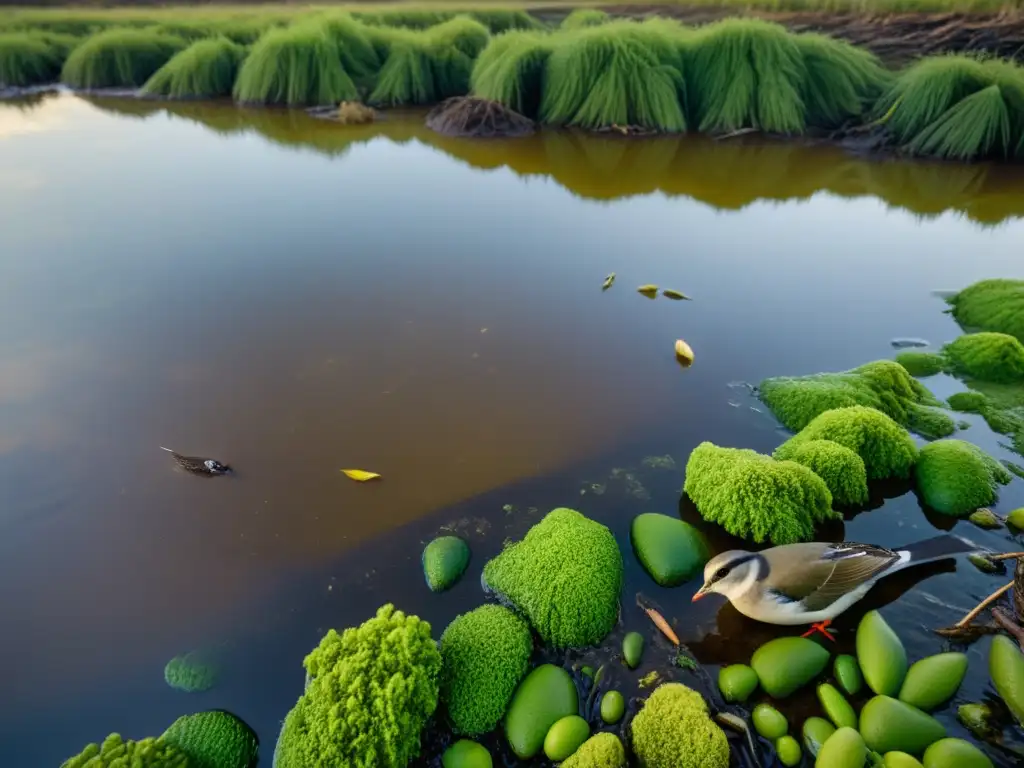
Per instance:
x=294, y=297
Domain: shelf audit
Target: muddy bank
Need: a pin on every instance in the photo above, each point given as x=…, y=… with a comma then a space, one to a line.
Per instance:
x=895, y=37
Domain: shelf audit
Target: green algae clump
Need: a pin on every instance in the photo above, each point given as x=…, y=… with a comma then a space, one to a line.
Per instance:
x=565, y=576
x=883, y=385
x=755, y=497
x=674, y=730
x=484, y=655
x=191, y=672
x=988, y=356
x=602, y=750
x=115, y=752
x=370, y=691
x=991, y=305
x=214, y=739
x=886, y=448
x=921, y=364
x=955, y=477
x=841, y=468
x=444, y=561
x=969, y=402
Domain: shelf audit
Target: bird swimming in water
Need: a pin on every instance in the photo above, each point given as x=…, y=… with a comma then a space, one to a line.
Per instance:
x=813, y=583
x=198, y=464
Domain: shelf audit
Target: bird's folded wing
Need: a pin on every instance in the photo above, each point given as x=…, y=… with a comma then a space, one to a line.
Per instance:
x=819, y=583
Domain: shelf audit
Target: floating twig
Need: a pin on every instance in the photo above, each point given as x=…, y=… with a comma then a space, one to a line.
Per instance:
x=1008, y=556
x=983, y=605
x=1009, y=625
x=660, y=623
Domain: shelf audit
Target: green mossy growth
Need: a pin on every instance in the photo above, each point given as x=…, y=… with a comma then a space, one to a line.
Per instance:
x=565, y=576
x=585, y=17
x=602, y=750
x=841, y=468
x=214, y=739
x=206, y=69
x=921, y=364
x=969, y=402
x=886, y=448
x=930, y=423
x=755, y=497
x=119, y=58
x=1014, y=469
x=991, y=305
x=115, y=752
x=955, y=477
x=191, y=672
x=674, y=730
x=295, y=66
x=484, y=655
x=27, y=59
x=883, y=385
x=511, y=70
x=370, y=692
x=988, y=356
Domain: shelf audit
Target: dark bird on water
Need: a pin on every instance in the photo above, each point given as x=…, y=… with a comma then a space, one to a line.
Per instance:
x=198, y=464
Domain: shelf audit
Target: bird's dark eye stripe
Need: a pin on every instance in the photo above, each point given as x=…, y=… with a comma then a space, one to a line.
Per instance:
x=720, y=574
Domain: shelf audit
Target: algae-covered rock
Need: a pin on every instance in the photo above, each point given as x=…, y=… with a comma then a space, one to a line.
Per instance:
x=977, y=718
x=613, y=707
x=841, y=468
x=484, y=655
x=991, y=305
x=1016, y=519
x=785, y=664
x=215, y=739
x=985, y=518
x=881, y=655
x=565, y=575
x=1006, y=667
x=466, y=754
x=933, y=680
x=815, y=732
x=632, y=649
x=602, y=750
x=755, y=497
x=675, y=730
x=769, y=722
x=988, y=356
x=788, y=750
x=885, y=447
x=444, y=561
x=836, y=707
x=737, y=682
x=921, y=364
x=847, y=674
x=955, y=477
x=900, y=760
x=565, y=737
x=889, y=725
x=116, y=752
x=955, y=753
x=542, y=699
x=844, y=749
x=670, y=550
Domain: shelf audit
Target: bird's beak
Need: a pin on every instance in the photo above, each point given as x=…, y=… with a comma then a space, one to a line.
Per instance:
x=700, y=593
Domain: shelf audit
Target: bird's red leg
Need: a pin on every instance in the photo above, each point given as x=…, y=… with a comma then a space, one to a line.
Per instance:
x=821, y=626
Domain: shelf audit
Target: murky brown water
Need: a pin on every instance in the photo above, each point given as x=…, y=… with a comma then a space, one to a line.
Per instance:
x=295, y=297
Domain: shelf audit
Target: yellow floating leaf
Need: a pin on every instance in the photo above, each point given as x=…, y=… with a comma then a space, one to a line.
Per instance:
x=608, y=282
x=677, y=295
x=360, y=475
x=683, y=351
x=650, y=291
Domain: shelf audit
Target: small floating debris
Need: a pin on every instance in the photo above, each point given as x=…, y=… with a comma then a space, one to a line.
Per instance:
x=608, y=282
x=683, y=352
x=650, y=291
x=660, y=623
x=905, y=342
x=668, y=293
x=360, y=475
x=198, y=464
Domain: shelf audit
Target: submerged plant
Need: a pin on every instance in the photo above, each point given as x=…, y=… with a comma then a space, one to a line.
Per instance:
x=991, y=305
x=675, y=730
x=191, y=672
x=755, y=497
x=119, y=58
x=206, y=69
x=27, y=59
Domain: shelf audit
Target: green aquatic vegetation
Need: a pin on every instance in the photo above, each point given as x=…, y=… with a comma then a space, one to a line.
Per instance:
x=565, y=576
x=496, y=21
x=886, y=448
x=841, y=468
x=883, y=385
x=206, y=69
x=602, y=750
x=1014, y=468
x=585, y=17
x=115, y=752
x=119, y=58
x=921, y=364
x=842, y=80
x=360, y=59
x=930, y=423
x=370, y=691
x=511, y=70
x=484, y=655
x=991, y=305
x=978, y=125
x=969, y=402
x=191, y=672
x=214, y=739
x=28, y=59
x=620, y=73
x=756, y=497
x=675, y=730
x=988, y=356
x=955, y=477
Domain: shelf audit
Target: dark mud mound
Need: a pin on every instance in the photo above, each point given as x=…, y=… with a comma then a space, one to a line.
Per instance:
x=468, y=116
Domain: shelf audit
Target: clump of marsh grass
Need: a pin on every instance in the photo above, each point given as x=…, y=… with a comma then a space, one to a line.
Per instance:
x=843, y=81
x=496, y=21
x=358, y=56
x=298, y=65
x=585, y=17
x=206, y=69
x=621, y=73
x=27, y=59
x=119, y=58
x=511, y=70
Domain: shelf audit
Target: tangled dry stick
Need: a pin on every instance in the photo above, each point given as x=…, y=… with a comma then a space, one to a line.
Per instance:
x=965, y=631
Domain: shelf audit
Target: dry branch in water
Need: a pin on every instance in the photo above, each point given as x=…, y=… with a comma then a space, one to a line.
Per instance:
x=472, y=117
